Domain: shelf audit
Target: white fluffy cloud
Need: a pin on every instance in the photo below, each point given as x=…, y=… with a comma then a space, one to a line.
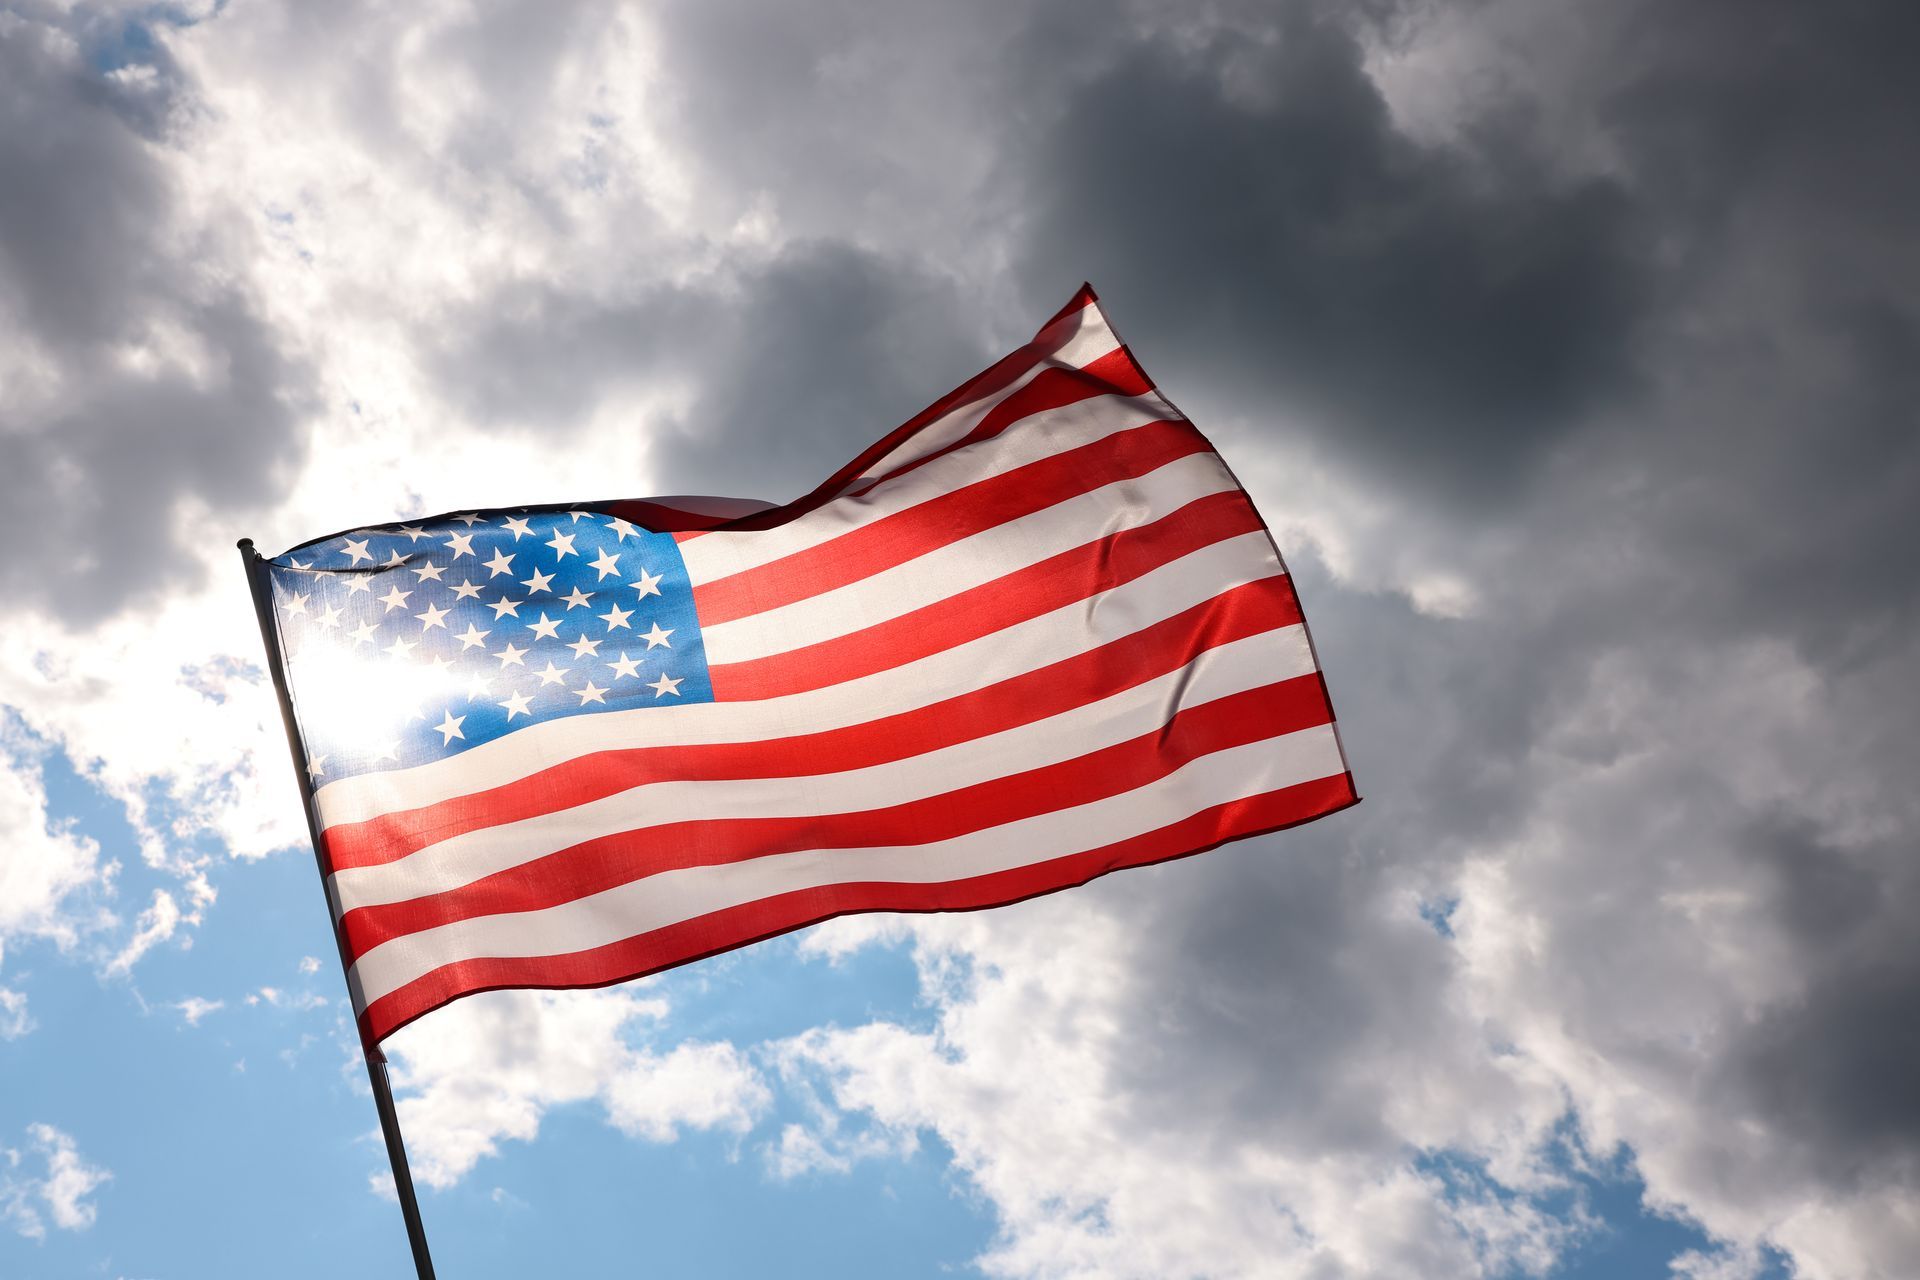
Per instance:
x=59, y=1189
x=486, y=1069
x=1031, y=1076
x=46, y=864
x=15, y=1021
x=194, y=1008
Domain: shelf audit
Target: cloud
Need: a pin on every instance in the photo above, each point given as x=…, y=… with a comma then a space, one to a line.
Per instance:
x=48, y=864
x=15, y=1021
x=276, y=998
x=194, y=1008
x=1435, y=311
x=840, y=341
x=491, y=1066
x=61, y=1191
x=155, y=925
x=147, y=385
x=1050, y=1075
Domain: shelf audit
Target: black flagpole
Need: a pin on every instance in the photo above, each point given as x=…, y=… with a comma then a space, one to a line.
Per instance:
x=257, y=580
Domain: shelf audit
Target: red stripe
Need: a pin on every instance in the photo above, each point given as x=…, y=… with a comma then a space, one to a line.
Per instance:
x=948, y=518
x=662, y=518
x=1073, y=575
x=1246, y=610
x=599, y=864
x=1046, y=344
x=1112, y=374
x=765, y=918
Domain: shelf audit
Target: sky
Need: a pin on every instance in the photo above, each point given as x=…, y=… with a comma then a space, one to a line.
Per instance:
x=1572, y=352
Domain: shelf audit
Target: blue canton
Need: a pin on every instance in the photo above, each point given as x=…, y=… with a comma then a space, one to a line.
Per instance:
x=411, y=643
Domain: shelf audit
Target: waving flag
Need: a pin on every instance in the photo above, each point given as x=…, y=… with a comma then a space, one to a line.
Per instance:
x=1036, y=634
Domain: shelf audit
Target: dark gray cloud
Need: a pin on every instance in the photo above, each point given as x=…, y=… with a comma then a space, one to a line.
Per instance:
x=1830, y=1070
x=103, y=449
x=825, y=350
x=542, y=358
x=796, y=364
x=1443, y=312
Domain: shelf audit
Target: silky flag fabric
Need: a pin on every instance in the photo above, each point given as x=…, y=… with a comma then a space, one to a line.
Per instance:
x=1034, y=635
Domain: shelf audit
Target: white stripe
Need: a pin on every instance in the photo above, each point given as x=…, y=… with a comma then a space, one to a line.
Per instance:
x=973, y=561
x=670, y=897
x=1071, y=629
x=1089, y=343
x=712, y=557
x=1248, y=663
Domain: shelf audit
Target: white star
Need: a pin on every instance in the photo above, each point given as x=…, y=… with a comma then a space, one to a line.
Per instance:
x=478, y=686
x=471, y=637
x=400, y=648
x=649, y=584
x=562, y=545
x=511, y=656
x=295, y=564
x=469, y=519
x=621, y=527
x=438, y=665
x=395, y=598
x=395, y=560
x=548, y=628
x=297, y=603
x=538, y=582
x=585, y=648
x=664, y=685
x=608, y=564
x=656, y=637
x=357, y=550
x=449, y=728
x=503, y=606
x=364, y=632
x=329, y=617
x=356, y=583
x=615, y=617
x=413, y=531
x=626, y=667
x=461, y=544
x=552, y=675
x=516, y=705
x=577, y=598
x=389, y=752
x=519, y=526
x=501, y=563
x=429, y=572
x=465, y=590
x=316, y=766
x=578, y=516
x=435, y=616
x=591, y=692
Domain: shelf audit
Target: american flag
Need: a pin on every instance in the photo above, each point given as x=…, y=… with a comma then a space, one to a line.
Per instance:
x=1036, y=634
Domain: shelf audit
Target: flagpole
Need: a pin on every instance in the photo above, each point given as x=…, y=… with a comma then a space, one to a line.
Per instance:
x=258, y=583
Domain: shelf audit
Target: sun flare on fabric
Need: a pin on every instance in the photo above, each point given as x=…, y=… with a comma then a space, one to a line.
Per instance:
x=369, y=698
